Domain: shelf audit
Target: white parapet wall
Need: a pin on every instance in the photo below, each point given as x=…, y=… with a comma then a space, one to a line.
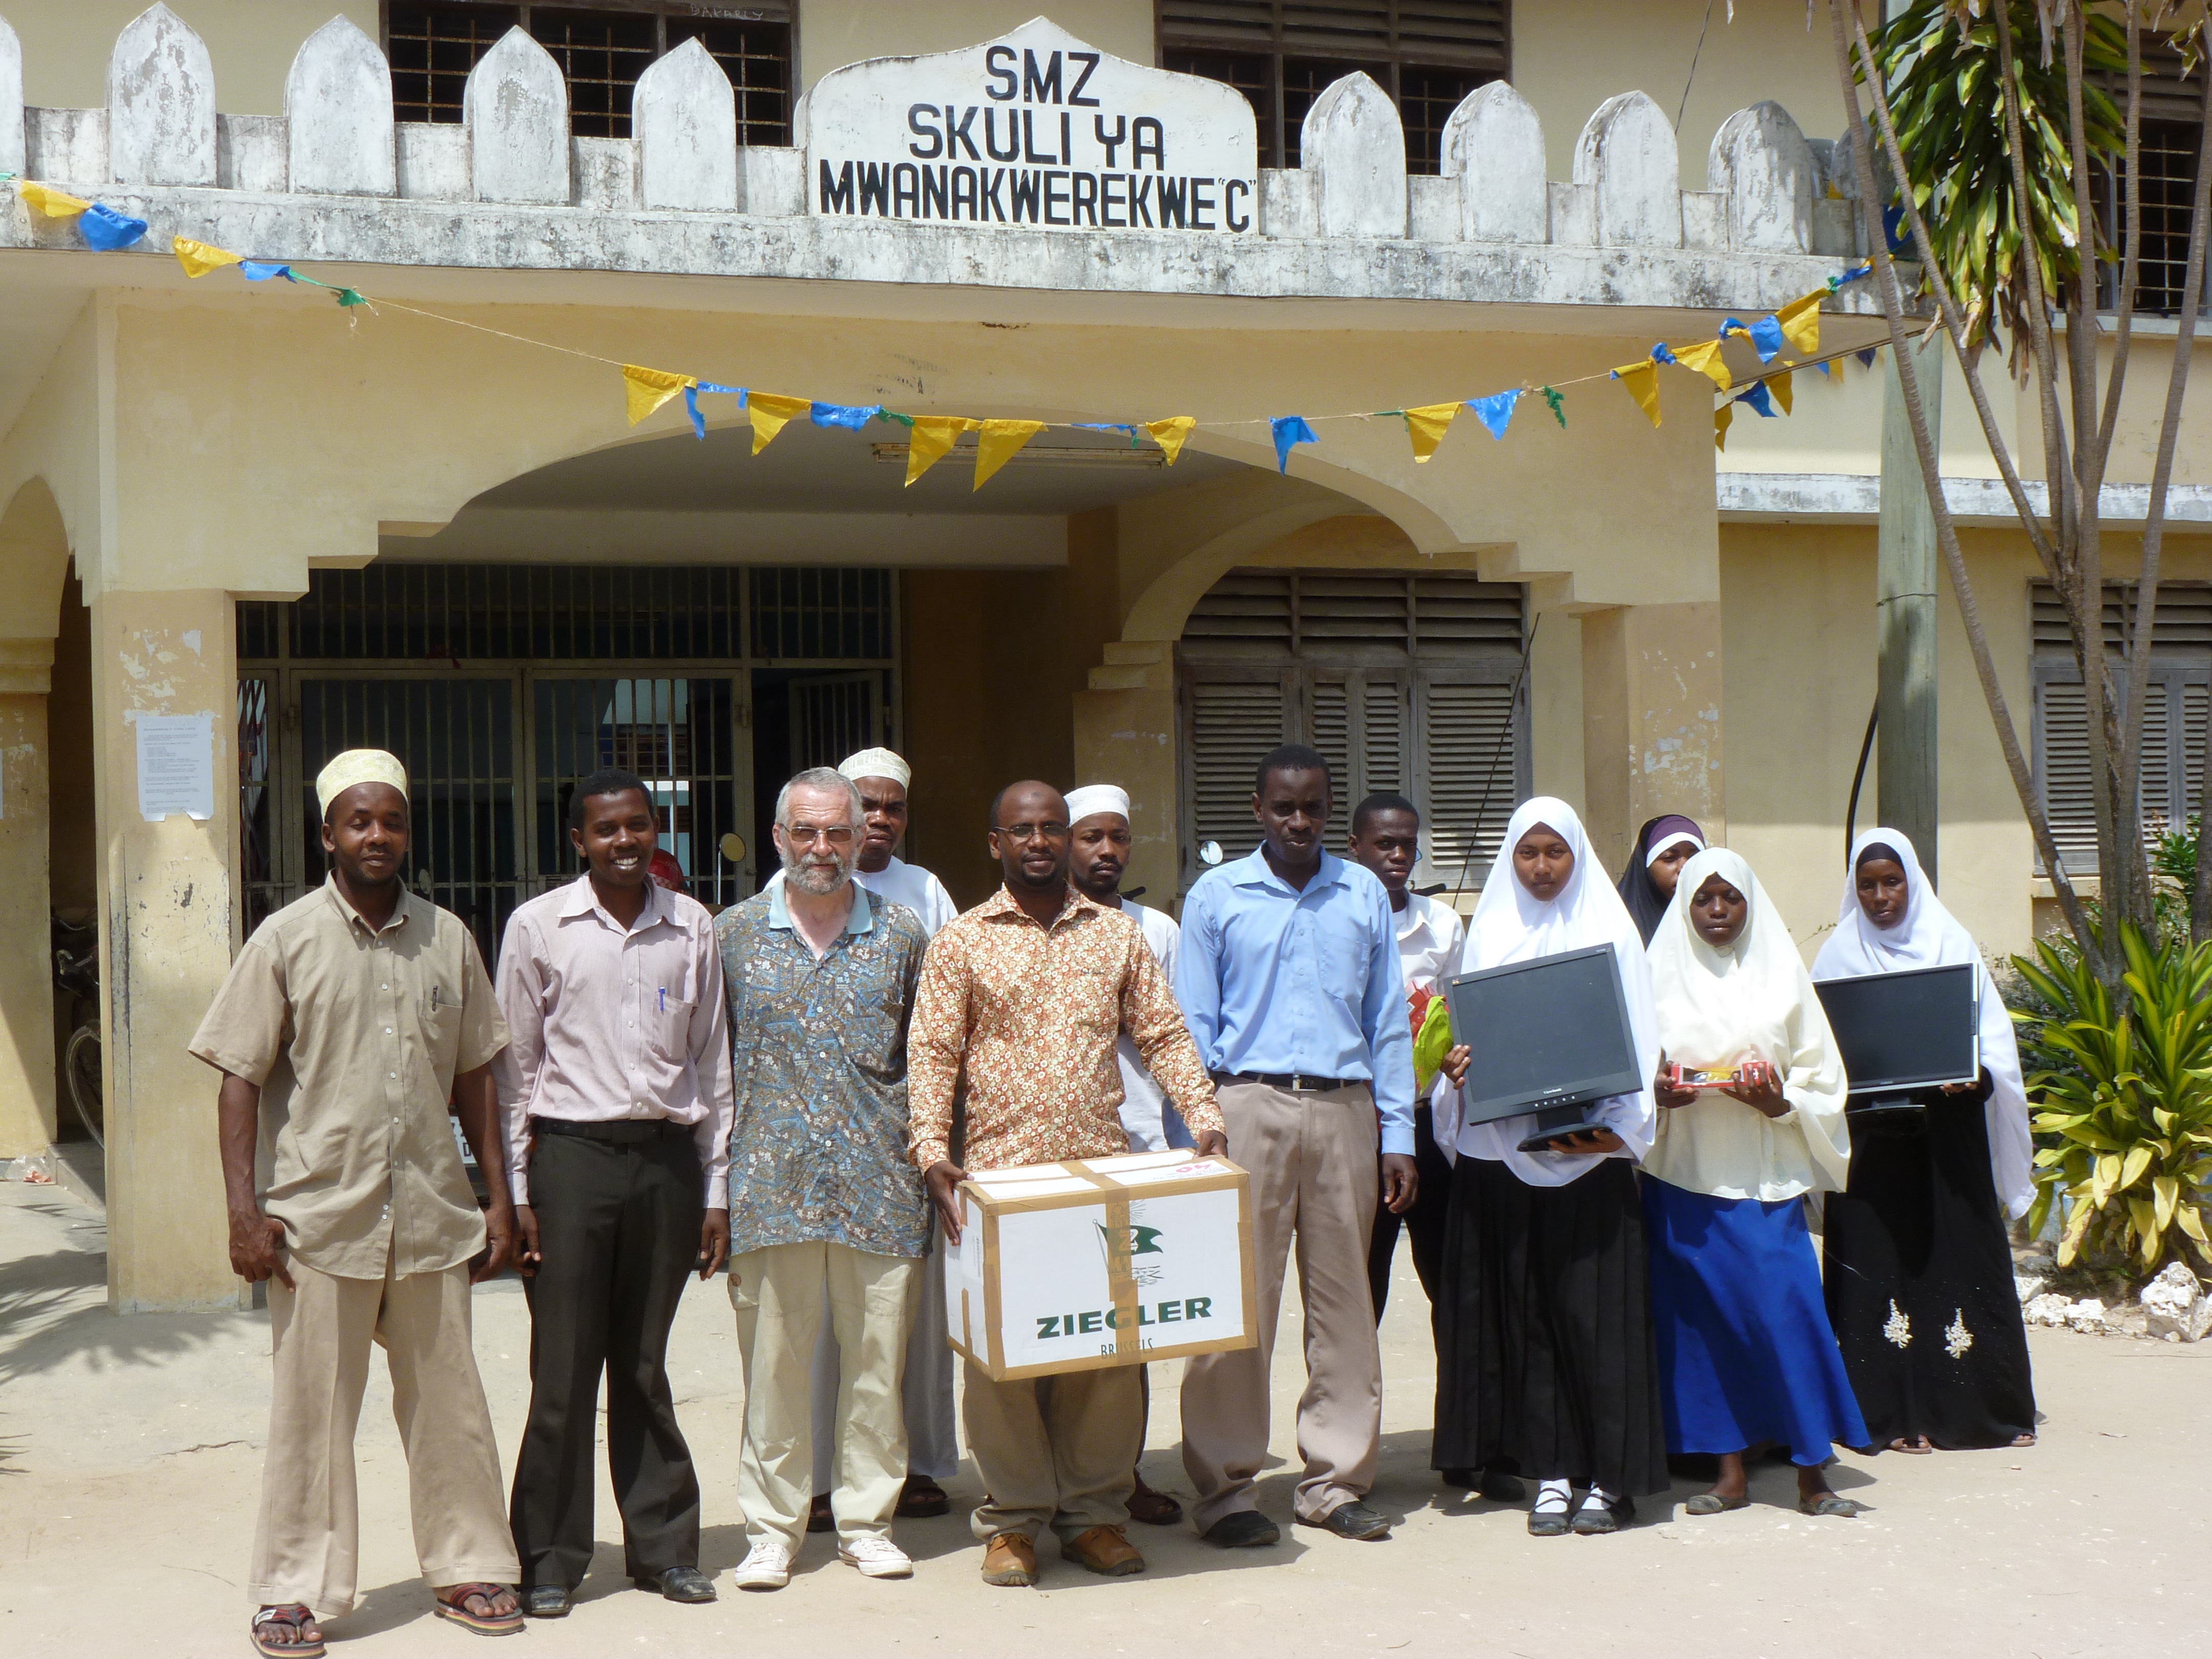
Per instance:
x=900, y=172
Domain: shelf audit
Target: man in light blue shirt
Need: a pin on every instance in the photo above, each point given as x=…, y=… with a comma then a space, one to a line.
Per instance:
x=1290, y=982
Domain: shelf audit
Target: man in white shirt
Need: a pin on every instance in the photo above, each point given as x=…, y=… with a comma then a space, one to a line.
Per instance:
x=1098, y=834
x=1386, y=838
x=932, y=1446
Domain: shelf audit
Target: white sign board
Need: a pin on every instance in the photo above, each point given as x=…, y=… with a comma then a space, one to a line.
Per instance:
x=1035, y=129
x=176, y=766
x=1034, y=1286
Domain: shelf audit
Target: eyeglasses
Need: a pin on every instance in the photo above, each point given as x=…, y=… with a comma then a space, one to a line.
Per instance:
x=806, y=834
x=1026, y=832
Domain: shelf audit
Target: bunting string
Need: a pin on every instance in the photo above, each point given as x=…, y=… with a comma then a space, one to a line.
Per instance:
x=1795, y=327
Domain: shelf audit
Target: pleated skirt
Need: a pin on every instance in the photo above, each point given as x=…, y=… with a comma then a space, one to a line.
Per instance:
x=1545, y=1360
x=1745, y=1354
x=1920, y=1283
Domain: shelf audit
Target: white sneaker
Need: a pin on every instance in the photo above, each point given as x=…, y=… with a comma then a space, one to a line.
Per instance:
x=875, y=1558
x=767, y=1566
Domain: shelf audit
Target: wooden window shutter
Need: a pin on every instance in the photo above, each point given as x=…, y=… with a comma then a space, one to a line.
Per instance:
x=2062, y=768
x=1232, y=722
x=1382, y=757
x=1472, y=745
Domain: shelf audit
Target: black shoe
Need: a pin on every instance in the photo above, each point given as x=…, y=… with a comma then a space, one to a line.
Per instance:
x=1590, y=1524
x=1500, y=1487
x=686, y=1584
x=1243, y=1529
x=1459, y=1480
x=818, y=1516
x=1554, y=1523
x=545, y=1602
x=1354, y=1520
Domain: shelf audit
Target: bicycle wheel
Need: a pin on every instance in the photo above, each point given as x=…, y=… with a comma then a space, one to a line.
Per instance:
x=82, y=1066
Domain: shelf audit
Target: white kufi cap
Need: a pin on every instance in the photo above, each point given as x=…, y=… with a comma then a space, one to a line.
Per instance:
x=877, y=763
x=1096, y=798
x=357, y=766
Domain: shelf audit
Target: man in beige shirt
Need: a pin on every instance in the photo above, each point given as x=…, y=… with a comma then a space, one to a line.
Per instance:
x=617, y=1108
x=348, y=1022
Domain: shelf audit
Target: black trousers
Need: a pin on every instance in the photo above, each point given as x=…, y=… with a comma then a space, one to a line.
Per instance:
x=1424, y=1223
x=618, y=1227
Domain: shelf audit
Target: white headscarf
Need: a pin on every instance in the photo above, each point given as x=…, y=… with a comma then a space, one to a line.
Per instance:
x=1752, y=1000
x=1512, y=924
x=1929, y=936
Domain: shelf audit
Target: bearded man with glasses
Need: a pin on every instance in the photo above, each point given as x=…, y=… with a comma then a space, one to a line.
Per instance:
x=824, y=1204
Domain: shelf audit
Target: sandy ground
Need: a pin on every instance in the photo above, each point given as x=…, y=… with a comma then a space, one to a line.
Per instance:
x=129, y=1459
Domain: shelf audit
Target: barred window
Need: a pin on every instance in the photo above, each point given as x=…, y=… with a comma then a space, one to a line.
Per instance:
x=1282, y=54
x=2173, y=135
x=602, y=48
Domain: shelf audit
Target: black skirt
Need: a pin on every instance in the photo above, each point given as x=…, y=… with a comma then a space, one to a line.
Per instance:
x=1545, y=1359
x=1920, y=1281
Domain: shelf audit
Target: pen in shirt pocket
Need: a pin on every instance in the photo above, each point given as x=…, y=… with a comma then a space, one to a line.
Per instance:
x=664, y=999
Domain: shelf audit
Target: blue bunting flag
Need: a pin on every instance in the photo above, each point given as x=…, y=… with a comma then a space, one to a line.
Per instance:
x=1497, y=409
x=108, y=231
x=692, y=404
x=1289, y=430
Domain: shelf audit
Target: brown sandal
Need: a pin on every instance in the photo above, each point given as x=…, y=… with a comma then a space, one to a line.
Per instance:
x=296, y=1617
x=451, y=1604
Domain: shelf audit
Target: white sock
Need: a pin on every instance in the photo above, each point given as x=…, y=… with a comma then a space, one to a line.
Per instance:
x=1552, y=1497
x=1599, y=1499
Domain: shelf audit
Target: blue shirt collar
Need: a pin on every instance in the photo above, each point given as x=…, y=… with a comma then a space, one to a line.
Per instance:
x=861, y=919
x=1253, y=870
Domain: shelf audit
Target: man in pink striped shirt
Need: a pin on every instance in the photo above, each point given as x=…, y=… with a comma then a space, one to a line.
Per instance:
x=618, y=1103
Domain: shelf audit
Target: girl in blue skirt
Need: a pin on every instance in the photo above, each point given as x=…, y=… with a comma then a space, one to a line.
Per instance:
x=1747, y=1356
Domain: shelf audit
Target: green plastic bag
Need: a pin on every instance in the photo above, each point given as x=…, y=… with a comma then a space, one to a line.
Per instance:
x=1431, y=1043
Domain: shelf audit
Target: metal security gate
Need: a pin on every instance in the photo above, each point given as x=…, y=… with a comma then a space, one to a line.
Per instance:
x=501, y=686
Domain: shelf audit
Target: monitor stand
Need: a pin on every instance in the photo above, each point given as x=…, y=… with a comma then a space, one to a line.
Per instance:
x=1553, y=1122
x=1892, y=1108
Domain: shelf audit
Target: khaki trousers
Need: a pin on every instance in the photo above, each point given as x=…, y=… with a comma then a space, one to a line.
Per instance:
x=306, y=1547
x=779, y=1293
x=1055, y=1451
x=932, y=1449
x=1314, y=1177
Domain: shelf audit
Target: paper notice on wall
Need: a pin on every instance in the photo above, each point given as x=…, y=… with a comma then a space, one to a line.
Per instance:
x=176, y=766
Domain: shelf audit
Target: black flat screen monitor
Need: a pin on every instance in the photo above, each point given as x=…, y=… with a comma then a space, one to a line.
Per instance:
x=1547, y=1036
x=1919, y=1029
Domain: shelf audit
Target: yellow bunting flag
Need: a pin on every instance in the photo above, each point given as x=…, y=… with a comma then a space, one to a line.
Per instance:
x=1169, y=434
x=1000, y=442
x=1705, y=358
x=1427, y=425
x=198, y=258
x=932, y=438
x=770, y=413
x=1801, y=323
x=1721, y=417
x=1778, y=384
x=52, y=203
x=1641, y=382
x=649, y=388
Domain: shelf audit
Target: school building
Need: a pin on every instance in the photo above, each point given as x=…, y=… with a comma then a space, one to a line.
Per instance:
x=243, y=527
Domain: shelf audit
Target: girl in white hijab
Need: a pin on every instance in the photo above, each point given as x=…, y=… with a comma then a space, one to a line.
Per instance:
x=1544, y=1351
x=1919, y=1279
x=1745, y=1354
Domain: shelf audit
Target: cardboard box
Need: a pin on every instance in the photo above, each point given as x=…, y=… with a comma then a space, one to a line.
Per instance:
x=1103, y=1261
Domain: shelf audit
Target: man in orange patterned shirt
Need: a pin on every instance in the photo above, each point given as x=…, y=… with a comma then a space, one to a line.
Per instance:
x=1029, y=991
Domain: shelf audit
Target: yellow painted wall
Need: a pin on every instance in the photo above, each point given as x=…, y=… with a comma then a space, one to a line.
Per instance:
x=1570, y=56
x=67, y=42
x=833, y=33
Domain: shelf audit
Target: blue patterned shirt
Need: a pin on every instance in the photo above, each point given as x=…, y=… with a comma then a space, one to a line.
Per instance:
x=818, y=1146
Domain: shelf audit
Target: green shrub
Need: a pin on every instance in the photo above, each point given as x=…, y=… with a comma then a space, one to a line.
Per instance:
x=2124, y=1117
